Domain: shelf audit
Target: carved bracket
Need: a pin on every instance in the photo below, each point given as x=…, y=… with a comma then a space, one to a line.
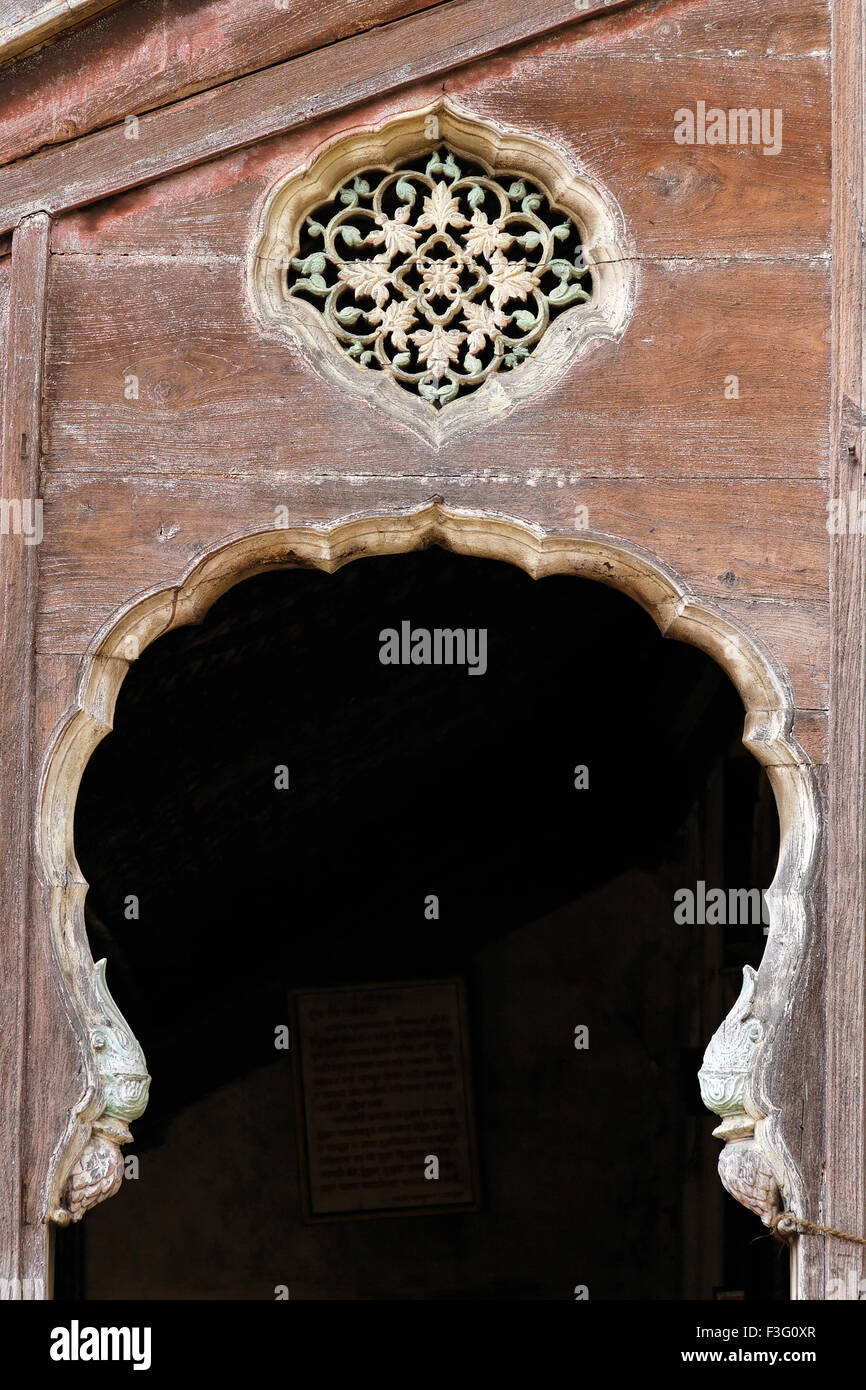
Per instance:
x=746, y=1168
x=125, y=1084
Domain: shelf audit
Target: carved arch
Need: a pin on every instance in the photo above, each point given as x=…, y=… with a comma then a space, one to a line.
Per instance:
x=736, y=1079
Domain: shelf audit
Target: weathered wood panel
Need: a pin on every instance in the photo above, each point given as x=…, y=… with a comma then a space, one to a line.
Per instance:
x=26, y=23
x=845, y=1159
x=19, y=489
x=110, y=540
x=153, y=52
x=287, y=95
x=677, y=199
x=147, y=54
x=216, y=397
x=715, y=29
x=229, y=423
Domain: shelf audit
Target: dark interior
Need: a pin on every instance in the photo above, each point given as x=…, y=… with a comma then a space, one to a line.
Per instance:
x=597, y=1167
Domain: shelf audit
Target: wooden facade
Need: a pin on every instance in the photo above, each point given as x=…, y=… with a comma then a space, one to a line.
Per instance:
x=715, y=439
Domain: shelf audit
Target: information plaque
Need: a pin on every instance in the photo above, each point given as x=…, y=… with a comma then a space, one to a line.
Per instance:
x=384, y=1100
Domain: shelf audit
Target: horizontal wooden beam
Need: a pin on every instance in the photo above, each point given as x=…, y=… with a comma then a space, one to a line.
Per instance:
x=147, y=54
x=24, y=27
x=277, y=99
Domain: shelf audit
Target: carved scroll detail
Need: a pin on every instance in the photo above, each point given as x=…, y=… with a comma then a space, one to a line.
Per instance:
x=98, y=1170
x=746, y=1171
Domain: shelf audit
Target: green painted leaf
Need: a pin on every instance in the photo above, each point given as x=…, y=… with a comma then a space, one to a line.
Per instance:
x=401, y=360
x=531, y=203
x=351, y=235
x=314, y=228
x=406, y=191
x=349, y=315
x=472, y=364
x=562, y=232
x=525, y=320
x=310, y=265
x=476, y=196
x=530, y=240
x=315, y=284
x=567, y=294
x=450, y=167
x=517, y=190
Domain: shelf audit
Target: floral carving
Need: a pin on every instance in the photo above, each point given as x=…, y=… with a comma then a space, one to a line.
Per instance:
x=440, y=274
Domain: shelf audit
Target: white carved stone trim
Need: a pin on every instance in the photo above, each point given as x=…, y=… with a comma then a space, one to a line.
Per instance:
x=740, y=1059
x=390, y=145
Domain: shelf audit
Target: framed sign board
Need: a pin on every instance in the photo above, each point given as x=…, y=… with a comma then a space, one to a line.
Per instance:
x=383, y=1098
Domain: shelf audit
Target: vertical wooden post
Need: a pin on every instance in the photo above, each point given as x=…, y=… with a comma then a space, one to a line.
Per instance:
x=845, y=1154
x=20, y=532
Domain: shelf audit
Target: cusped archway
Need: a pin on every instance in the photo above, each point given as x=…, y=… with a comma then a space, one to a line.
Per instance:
x=737, y=1078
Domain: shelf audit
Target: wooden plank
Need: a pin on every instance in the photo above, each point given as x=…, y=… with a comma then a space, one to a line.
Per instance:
x=677, y=200
x=845, y=1158
x=26, y=23
x=111, y=539
x=811, y=732
x=266, y=103
x=19, y=487
x=216, y=397
x=150, y=53
x=714, y=29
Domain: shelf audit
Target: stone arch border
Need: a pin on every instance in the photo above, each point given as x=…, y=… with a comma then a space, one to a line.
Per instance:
x=756, y=1164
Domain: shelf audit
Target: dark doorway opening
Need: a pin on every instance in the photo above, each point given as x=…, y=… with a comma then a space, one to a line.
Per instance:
x=556, y=907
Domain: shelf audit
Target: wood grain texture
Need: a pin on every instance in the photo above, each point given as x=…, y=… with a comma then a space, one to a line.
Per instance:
x=714, y=29
x=844, y=1199
x=677, y=200
x=146, y=54
x=279, y=98
x=230, y=422
x=26, y=23
x=109, y=540
x=19, y=482
x=219, y=397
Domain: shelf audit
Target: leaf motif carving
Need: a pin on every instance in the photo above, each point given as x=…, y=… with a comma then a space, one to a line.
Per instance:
x=468, y=271
x=438, y=347
x=441, y=210
x=510, y=280
x=370, y=279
